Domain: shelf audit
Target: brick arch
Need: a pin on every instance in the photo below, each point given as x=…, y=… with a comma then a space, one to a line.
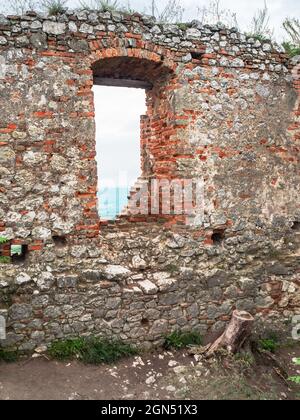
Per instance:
x=162, y=58
x=130, y=71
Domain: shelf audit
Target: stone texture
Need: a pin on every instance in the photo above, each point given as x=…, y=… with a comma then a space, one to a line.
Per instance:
x=223, y=108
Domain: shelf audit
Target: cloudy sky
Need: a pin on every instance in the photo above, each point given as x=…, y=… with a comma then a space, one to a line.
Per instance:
x=118, y=113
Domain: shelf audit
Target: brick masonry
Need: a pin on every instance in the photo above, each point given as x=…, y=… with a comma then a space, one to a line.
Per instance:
x=221, y=106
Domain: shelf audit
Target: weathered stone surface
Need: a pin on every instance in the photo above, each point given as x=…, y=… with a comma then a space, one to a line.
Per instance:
x=223, y=109
x=7, y=156
x=116, y=272
x=139, y=263
x=54, y=28
x=66, y=282
x=45, y=281
x=23, y=278
x=20, y=311
x=148, y=287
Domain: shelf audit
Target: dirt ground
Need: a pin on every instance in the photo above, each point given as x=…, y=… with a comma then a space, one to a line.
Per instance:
x=161, y=375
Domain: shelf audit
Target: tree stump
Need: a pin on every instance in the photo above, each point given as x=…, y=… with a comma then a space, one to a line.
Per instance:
x=235, y=335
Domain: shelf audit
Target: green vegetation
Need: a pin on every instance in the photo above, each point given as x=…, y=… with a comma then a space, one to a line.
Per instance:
x=67, y=349
x=100, y=5
x=259, y=37
x=91, y=350
x=183, y=26
x=3, y=240
x=270, y=343
x=178, y=340
x=292, y=29
x=5, y=260
x=295, y=379
x=260, y=28
x=54, y=7
x=8, y=356
x=245, y=359
x=291, y=49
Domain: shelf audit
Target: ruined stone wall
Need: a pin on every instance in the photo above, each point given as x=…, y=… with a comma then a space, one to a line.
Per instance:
x=220, y=107
x=140, y=284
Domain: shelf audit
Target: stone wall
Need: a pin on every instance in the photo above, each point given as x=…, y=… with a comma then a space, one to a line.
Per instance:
x=140, y=284
x=220, y=107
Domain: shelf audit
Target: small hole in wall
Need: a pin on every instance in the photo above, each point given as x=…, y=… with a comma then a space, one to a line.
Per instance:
x=18, y=253
x=196, y=55
x=145, y=322
x=296, y=226
x=59, y=241
x=218, y=236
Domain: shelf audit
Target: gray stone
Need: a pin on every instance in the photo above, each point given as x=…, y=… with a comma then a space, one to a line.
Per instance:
x=67, y=281
x=54, y=28
x=113, y=303
x=2, y=327
x=116, y=272
x=7, y=155
x=78, y=251
x=20, y=311
x=87, y=29
x=159, y=328
x=139, y=263
x=23, y=278
x=219, y=278
x=3, y=41
x=41, y=233
x=148, y=287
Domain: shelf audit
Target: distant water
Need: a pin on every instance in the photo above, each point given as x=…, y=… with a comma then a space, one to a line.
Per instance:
x=112, y=201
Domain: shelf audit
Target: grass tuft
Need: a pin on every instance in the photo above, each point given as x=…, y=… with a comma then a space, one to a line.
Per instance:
x=8, y=356
x=291, y=50
x=5, y=260
x=66, y=349
x=91, y=350
x=178, y=340
x=54, y=7
x=269, y=344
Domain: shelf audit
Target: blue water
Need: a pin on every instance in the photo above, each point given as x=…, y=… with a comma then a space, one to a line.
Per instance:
x=112, y=201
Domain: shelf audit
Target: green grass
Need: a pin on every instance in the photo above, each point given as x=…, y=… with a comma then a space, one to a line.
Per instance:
x=91, y=350
x=290, y=49
x=258, y=37
x=178, y=340
x=66, y=349
x=54, y=7
x=269, y=344
x=101, y=5
x=5, y=260
x=295, y=379
x=244, y=359
x=182, y=26
x=8, y=356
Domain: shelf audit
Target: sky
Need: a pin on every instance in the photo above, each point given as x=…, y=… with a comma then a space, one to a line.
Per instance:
x=118, y=112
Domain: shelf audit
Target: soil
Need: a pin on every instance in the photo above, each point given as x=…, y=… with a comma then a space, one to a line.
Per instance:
x=158, y=376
